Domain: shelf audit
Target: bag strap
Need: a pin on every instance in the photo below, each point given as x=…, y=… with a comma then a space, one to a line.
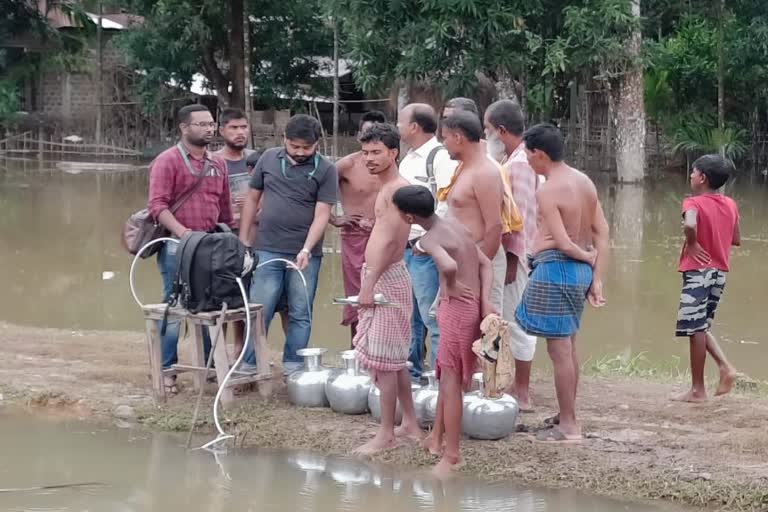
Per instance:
x=191, y=190
x=185, y=251
x=431, y=170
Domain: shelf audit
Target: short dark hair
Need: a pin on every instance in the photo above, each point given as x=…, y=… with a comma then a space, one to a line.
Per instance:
x=373, y=116
x=415, y=200
x=716, y=168
x=303, y=127
x=424, y=116
x=547, y=138
x=465, y=122
x=231, y=114
x=381, y=132
x=508, y=114
x=464, y=104
x=185, y=113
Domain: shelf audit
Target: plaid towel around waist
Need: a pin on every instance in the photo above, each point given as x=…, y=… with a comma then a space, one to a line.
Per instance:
x=553, y=300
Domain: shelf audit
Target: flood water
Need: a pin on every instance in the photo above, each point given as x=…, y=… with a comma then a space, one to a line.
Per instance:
x=63, y=266
x=141, y=471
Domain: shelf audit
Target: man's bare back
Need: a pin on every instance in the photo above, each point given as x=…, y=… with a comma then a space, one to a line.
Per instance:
x=476, y=201
x=567, y=207
x=357, y=187
x=390, y=233
x=453, y=238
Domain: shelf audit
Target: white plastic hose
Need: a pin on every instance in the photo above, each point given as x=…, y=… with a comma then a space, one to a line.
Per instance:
x=223, y=436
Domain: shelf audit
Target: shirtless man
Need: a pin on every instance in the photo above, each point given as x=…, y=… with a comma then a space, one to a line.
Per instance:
x=465, y=280
x=570, y=252
x=358, y=190
x=383, y=338
x=476, y=197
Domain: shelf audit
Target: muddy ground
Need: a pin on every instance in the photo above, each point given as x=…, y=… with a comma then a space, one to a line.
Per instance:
x=639, y=445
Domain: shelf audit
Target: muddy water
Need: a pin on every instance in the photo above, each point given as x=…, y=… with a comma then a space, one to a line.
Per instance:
x=140, y=471
x=63, y=266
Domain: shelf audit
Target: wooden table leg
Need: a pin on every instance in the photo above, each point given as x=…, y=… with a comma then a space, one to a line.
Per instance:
x=154, y=345
x=222, y=361
x=262, y=354
x=199, y=355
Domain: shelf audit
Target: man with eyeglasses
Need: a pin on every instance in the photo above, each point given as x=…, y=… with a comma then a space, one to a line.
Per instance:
x=297, y=190
x=187, y=169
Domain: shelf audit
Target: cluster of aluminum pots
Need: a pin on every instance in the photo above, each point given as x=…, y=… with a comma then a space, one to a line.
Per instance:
x=349, y=390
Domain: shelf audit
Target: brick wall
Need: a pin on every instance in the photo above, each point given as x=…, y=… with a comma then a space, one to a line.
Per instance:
x=75, y=95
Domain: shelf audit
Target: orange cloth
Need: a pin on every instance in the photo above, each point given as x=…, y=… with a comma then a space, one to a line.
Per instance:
x=511, y=220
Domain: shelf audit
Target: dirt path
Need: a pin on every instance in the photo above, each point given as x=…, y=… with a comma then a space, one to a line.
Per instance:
x=640, y=445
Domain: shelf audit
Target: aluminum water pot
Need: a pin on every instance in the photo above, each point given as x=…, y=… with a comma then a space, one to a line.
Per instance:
x=425, y=400
x=488, y=418
x=306, y=387
x=374, y=402
x=347, y=388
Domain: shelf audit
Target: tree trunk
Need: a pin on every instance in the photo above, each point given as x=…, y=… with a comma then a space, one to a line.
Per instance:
x=721, y=71
x=505, y=87
x=237, y=54
x=630, y=114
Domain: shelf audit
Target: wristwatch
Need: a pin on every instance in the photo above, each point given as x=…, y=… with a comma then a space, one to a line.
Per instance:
x=309, y=253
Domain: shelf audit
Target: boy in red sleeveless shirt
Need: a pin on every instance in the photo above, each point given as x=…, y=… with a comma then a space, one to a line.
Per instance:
x=711, y=227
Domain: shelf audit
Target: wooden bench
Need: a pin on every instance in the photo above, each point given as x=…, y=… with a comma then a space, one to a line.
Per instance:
x=215, y=322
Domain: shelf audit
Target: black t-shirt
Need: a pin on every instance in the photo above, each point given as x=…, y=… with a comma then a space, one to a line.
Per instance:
x=290, y=193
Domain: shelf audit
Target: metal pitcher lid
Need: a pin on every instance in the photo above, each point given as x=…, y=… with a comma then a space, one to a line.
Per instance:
x=309, y=352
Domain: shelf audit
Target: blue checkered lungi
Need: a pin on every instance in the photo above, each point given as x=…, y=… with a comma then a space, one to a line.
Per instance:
x=553, y=300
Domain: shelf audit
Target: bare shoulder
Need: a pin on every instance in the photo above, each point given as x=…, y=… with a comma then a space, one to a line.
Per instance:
x=347, y=163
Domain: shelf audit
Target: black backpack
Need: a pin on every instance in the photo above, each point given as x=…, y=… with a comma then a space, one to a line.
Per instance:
x=207, y=266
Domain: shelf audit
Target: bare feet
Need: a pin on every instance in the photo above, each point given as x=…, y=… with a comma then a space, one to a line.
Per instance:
x=432, y=445
x=727, y=379
x=409, y=431
x=376, y=445
x=691, y=396
x=446, y=467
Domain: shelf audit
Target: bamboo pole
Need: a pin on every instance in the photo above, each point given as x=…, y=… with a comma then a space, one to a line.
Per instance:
x=335, y=90
x=248, y=99
x=100, y=78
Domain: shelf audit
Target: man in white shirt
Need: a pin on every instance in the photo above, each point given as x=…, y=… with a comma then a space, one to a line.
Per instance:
x=428, y=164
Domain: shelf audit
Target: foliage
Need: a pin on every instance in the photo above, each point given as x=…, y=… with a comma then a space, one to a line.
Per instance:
x=658, y=94
x=9, y=100
x=698, y=134
x=443, y=43
x=180, y=38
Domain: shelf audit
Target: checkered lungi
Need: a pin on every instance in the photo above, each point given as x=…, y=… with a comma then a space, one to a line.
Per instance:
x=553, y=300
x=383, y=338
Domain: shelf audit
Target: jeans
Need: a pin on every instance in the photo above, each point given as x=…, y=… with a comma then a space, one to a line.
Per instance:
x=166, y=262
x=425, y=282
x=268, y=284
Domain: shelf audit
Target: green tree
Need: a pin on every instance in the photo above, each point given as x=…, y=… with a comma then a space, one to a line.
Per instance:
x=446, y=44
x=180, y=38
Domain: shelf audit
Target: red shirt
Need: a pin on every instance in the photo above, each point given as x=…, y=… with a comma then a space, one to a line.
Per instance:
x=716, y=218
x=169, y=177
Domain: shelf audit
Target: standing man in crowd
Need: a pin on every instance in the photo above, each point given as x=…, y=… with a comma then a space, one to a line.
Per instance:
x=186, y=169
x=504, y=126
x=358, y=190
x=569, y=256
x=511, y=220
x=428, y=164
x=298, y=188
x=382, y=343
x=234, y=130
x=475, y=196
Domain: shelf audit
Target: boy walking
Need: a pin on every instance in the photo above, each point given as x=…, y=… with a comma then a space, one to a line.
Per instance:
x=711, y=227
x=465, y=281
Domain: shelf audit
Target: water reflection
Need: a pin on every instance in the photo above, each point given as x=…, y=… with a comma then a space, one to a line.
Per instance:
x=153, y=472
x=59, y=238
